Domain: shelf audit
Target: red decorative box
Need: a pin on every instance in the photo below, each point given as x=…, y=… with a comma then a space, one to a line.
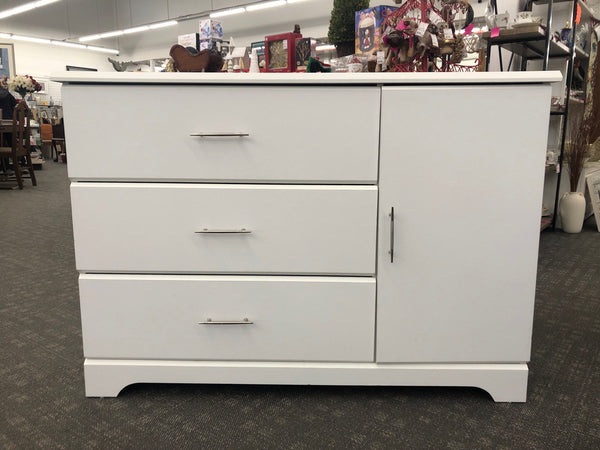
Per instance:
x=280, y=52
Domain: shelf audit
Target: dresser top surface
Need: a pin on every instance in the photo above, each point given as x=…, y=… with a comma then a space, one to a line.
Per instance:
x=386, y=78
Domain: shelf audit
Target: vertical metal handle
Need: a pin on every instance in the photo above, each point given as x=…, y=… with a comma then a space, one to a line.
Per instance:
x=391, y=252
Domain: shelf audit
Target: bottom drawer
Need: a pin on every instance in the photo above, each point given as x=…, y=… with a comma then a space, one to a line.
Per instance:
x=176, y=317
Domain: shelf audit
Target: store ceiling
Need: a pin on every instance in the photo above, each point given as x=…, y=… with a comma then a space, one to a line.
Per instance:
x=71, y=19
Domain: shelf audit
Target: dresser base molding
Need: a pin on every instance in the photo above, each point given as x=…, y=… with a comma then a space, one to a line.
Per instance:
x=504, y=382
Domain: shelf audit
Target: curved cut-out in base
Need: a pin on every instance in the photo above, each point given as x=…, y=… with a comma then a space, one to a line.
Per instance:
x=504, y=382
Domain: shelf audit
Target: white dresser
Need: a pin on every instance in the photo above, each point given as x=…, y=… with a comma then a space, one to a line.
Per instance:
x=344, y=229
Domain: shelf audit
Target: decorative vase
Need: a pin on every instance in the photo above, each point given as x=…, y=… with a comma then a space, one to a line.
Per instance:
x=344, y=48
x=572, y=211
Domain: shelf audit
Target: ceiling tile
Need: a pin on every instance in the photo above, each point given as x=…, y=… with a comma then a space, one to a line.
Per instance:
x=179, y=8
x=123, y=14
x=148, y=11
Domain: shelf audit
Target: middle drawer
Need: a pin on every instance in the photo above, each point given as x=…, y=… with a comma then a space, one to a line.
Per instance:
x=196, y=228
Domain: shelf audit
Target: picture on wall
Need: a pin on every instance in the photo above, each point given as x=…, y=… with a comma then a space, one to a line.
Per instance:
x=7, y=60
x=44, y=84
x=81, y=69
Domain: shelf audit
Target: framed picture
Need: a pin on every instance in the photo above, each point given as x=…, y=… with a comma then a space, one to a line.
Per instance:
x=44, y=83
x=77, y=68
x=593, y=185
x=7, y=60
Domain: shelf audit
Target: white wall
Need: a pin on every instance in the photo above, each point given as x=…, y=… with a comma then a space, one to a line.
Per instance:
x=42, y=59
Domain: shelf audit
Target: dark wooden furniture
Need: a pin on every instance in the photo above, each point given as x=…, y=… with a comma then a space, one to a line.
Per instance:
x=20, y=150
x=58, y=139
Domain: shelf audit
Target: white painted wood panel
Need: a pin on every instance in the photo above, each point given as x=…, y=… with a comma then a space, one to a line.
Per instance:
x=467, y=201
x=293, y=134
x=308, y=79
x=144, y=227
x=294, y=318
x=504, y=382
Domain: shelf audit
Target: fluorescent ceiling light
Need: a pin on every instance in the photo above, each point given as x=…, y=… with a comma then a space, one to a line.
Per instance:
x=102, y=49
x=136, y=29
x=264, y=5
x=163, y=24
x=68, y=44
x=60, y=43
x=227, y=12
x=111, y=34
x=24, y=8
x=91, y=37
x=320, y=48
x=31, y=39
x=108, y=34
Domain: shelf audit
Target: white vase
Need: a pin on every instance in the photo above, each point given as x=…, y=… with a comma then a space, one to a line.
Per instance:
x=572, y=211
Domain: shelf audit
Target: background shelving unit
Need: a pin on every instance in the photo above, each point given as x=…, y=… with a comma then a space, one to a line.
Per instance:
x=534, y=42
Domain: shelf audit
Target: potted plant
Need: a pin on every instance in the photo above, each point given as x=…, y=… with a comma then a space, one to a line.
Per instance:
x=583, y=131
x=577, y=150
x=341, y=26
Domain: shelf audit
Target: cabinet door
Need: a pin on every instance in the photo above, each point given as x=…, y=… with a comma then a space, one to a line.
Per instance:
x=463, y=169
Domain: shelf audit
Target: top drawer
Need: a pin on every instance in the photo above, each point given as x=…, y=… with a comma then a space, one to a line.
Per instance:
x=296, y=134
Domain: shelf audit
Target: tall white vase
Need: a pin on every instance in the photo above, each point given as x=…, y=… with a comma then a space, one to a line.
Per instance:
x=572, y=211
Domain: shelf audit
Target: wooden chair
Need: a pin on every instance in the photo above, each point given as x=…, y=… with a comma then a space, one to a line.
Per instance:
x=20, y=151
x=47, y=138
x=58, y=138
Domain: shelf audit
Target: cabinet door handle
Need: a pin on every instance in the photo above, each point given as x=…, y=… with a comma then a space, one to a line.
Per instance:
x=391, y=252
x=223, y=231
x=220, y=134
x=209, y=321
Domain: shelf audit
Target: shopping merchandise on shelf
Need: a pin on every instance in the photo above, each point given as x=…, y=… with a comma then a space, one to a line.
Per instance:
x=280, y=52
x=189, y=40
x=305, y=49
x=369, y=30
x=211, y=29
x=211, y=44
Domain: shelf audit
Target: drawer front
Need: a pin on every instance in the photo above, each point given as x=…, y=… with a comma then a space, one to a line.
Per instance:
x=139, y=227
x=295, y=134
x=293, y=318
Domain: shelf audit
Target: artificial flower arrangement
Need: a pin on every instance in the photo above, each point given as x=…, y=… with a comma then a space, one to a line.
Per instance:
x=24, y=84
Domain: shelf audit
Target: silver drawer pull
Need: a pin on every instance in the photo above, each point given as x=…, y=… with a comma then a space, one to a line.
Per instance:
x=209, y=321
x=224, y=231
x=391, y=252
x=220, y=134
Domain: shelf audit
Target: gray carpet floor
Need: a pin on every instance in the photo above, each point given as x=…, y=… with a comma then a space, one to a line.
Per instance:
x=41, y=372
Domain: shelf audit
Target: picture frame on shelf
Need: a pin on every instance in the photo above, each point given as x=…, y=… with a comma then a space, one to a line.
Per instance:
x=7, y=60
x=280, y=52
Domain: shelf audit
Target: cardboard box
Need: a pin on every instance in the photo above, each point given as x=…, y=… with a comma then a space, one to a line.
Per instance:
x=211, y=29
x=369, y=29
x=189, y=40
